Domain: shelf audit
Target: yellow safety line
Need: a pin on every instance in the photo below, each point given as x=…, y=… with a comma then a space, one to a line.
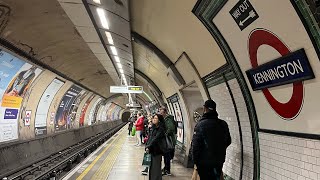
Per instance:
x=104, y=170
x=86, y=171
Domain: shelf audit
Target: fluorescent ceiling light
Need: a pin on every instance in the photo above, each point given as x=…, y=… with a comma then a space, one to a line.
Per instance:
x=109, y=37
x=121, y=71
x=97, y=1
x=117, y=59
x=114, y=50
x=103, y=18
x=119, y=65
x=122, y=75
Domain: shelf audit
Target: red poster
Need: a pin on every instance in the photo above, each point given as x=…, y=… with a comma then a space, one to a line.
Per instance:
x=84, y=109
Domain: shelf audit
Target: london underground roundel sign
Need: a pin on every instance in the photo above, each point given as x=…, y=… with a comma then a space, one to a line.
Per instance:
x=290, y=109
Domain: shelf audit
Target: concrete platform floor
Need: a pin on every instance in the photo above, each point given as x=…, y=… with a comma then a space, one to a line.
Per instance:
x=119, y=159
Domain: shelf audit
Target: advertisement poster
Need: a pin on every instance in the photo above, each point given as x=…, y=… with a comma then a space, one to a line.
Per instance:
x=75, y=106
x=92, y=111
x=178, y=116
x=84, y=110
x=96, y=110
x=109, y=112
x=104, y=112
x=290, y=107
x=64, y=116
x=44, y=105
x=16, y=76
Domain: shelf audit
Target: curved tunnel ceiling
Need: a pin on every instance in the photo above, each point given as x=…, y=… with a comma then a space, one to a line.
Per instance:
x=173, y=28
x=58, y=43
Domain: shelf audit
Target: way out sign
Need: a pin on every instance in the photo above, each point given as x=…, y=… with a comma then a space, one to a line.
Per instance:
x=243, y=13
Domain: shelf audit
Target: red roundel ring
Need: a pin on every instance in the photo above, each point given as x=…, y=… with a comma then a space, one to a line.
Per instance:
x=290, y=109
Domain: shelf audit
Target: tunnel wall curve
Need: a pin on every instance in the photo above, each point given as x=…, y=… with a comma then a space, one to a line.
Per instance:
x=36, y=102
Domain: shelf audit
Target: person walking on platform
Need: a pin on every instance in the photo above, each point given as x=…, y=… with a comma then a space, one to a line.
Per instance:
x=139, y=128
x=209, y=143
x=170, y=132
x=153, y=146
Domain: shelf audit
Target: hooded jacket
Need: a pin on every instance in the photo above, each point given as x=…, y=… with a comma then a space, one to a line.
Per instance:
x=210, y=140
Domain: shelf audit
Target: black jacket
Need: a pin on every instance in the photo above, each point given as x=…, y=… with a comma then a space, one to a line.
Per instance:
x=210, y=140
x=130, y=123
x=156, y=135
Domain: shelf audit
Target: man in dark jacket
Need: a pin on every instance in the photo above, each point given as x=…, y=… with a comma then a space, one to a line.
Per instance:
x=210, y=140
x=170, y=132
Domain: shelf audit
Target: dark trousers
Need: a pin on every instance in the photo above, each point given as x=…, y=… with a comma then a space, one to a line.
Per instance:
x=172, y=153
x=167, y=158
x=155, y=168
x=129, y=132
x=209, y=173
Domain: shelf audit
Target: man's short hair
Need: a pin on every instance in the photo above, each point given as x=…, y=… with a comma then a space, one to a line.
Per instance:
x=139, y=113
x=210, y=104
x=163, y=108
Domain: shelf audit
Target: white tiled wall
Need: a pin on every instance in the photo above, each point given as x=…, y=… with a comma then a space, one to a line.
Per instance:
x=247, y=173
x=225, y=108
x=285, y=157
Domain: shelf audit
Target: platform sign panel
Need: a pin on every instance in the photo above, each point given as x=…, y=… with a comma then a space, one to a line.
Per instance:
x=279, y=58
x=44, y=105
x=284, y=70
x=16, y=77
x=126, y=89
x=63, y=115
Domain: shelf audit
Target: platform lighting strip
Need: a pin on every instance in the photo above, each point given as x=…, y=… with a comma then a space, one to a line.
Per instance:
x=103, y=18
x=97, y=1
x=109, y=37
x=117, y=59
x=105, y=24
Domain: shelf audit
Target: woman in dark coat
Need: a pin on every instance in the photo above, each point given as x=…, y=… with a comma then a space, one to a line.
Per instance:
x=157, y=134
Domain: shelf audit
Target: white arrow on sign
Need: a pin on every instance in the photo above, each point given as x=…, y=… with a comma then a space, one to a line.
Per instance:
x=252, y=14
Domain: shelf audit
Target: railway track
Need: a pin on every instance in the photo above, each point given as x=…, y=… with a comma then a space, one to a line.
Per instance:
x=57, y=164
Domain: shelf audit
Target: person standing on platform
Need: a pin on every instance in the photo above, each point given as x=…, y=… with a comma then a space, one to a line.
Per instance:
x=210, y=140
x=139, y=128
x=170, y=132
x=130, y=120
x=157, y=134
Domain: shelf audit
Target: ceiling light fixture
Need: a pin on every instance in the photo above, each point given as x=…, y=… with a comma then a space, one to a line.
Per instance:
x=103, y=18
x=109, y=37
x=121, y=71
x=114, y=50
x=97, y=1
x=119, y=65
x=117, y=59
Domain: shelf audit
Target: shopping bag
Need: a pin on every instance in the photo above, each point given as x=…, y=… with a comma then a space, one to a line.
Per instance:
x=146, y=159
x=145, y=140
x=133, y=132
x=195, y=175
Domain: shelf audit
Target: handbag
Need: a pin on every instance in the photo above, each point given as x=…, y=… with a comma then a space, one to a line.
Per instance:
x=133, y=132
x=166, y=144
x=146, y=159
